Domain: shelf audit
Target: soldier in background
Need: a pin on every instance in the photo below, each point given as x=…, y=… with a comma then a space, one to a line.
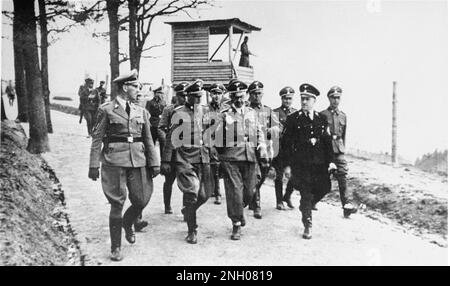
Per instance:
x=101, y=92
x=239, y=154
x=10, y=92
x=337, y=120
x=156, y=106
x=164, y=125
x=190, y=155
x=214, y=107
x=269, y=123
x=128, y=158
x=83, y=92
x=306, y=146
x=282, y=112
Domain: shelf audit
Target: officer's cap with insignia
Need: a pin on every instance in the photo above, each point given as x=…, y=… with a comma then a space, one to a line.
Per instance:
x=88, y=79
x=236, y=88
x=217, y=87
x=130, y=77
x=307, y=90
x=287, y=91
x=255, y=86
x=335, y=91
x=195, y=88
x=180, y=89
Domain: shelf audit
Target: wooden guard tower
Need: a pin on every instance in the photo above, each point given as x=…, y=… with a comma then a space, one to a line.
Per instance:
x=190, y=51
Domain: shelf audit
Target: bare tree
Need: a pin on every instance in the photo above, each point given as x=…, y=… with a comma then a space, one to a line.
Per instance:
x=143, y=13
x=25, y=13
x=112, y=7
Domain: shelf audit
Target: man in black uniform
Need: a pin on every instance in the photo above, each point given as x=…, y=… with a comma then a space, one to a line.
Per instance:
x=128, y=158
x=164, y=126
x=306, y=145
x=269, y=124
x=191, y=157
x=282, y=112
x=337, y=120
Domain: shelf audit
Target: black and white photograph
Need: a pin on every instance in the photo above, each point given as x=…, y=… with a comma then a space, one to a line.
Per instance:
x=223, y=133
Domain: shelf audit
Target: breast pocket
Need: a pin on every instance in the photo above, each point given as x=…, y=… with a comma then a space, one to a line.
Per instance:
x=137, y=124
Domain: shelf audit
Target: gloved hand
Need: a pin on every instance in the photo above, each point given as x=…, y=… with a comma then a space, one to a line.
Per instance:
x=165, y=168
x=93, y=174
x=155, y=170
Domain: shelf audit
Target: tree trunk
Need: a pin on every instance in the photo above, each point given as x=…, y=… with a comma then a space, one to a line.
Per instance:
x=44, y=63
x=3, y=110
x=132, y=7
x=112, y=7
x=38, y=142
x=19, y=70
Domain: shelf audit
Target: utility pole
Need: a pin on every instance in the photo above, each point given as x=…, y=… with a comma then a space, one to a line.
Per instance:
x=394, y=125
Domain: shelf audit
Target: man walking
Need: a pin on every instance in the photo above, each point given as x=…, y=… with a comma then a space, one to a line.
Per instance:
x=278, y=163
x=128, y=158
x=190, y=155
x=337, y=120
x=243, y=144
x=306, y=146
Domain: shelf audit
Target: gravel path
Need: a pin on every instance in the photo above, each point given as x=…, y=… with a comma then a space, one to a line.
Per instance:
x=274, y=240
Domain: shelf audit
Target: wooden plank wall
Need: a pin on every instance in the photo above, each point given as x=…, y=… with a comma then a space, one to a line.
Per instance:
x=190, y=45
x=208, y=72
x=245, y=74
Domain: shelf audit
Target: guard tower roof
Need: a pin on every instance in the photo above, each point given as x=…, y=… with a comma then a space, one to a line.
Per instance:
x=219, y=26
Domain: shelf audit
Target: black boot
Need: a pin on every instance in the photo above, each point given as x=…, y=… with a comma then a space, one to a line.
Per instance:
x=257, y=205
x=191, y=218
x=287, y=195
x=167, y=194
x=115, y=232
x=279, y=193
x=128, y=218
x=307, y=223
x=236, y=233
x=140, y=224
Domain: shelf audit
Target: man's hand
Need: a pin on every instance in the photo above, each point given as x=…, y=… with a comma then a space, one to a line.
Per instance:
x=155, y=171
x=165, y=168
x=93, y=174
x=332, y=168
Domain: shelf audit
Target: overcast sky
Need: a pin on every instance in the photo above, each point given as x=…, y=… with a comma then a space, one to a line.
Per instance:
x=362, y=46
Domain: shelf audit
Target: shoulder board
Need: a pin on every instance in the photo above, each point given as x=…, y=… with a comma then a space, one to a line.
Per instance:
x=178, y=107
x=225, y=108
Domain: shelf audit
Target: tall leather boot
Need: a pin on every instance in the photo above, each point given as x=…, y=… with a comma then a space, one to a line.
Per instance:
x=167, y=194
x=139, y=223
x=347, y=206
x=279, y=193
x=130, y=215
x=257, y=204
x=287, y=195
x=115, y=232
x=307, y=223
x=191, y=218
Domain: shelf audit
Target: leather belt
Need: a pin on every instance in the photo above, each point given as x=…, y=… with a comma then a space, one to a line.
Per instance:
x=128, y=139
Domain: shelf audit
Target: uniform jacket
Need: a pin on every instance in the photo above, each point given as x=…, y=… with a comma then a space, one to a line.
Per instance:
x=337, y=120
x=155, y=107
x=113, y=121
x=242, y=134
x=305, y=141
x=281, y=113
x=83, y=93
x=187, y=126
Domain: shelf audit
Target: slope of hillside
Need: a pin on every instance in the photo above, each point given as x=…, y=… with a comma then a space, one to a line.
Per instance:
x=34, y=225
x=411, y=197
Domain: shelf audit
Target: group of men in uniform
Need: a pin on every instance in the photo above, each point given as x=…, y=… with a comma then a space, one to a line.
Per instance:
x=235, y=140
x=90, y=100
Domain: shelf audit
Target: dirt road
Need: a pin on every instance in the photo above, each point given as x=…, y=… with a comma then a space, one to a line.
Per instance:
x=274, y=240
